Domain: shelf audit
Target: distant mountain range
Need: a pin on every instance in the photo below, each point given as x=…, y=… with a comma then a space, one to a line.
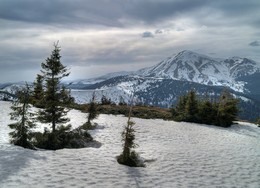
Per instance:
x=162, y=84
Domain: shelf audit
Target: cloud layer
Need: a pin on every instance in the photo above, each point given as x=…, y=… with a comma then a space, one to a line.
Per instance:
x=101, y=36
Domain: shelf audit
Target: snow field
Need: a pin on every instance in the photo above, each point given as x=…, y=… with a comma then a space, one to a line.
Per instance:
x=179, y=155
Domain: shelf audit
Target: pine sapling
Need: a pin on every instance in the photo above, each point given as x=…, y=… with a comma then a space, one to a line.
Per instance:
x=21, y=134
x=129, y=157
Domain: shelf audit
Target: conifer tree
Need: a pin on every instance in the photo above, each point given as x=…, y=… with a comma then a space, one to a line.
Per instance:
x=179, y=111
x=38, y=93
x=53, y=71
x=221, y=113
x=129, y=157
x=65, y=96
x=227, y=110
x=206, y=112
x=191, y=107
x=92, y=110
x=105, y=100
x=21, y=134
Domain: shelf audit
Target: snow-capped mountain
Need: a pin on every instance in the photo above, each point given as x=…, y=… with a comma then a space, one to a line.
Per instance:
x=162, y=84
x=193, y=67
x=82, y=83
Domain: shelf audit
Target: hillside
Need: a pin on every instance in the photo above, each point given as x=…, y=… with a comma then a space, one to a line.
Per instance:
x=179, y=155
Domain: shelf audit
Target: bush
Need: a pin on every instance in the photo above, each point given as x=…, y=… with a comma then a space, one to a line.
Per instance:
x=62, y=138
x=133, y=160
x=88, y=126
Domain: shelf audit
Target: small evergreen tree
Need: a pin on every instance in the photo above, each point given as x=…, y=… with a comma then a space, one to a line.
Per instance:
x=178, y=112
x=92, y=110
x=38, y=93
x=66, y=97
x=105, y=100
x=129, y=157
x=21, y=134
x=227, y=110
x=191, y=107
x=206, y=112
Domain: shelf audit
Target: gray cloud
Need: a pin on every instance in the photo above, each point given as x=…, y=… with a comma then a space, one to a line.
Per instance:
x=107, y=32
x=155, y=11
x=63, y=13
x=147, y=34
x=112, y=12
x=254, y=43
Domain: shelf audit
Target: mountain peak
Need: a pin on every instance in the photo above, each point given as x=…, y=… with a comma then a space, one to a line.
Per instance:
x=194, y=67
x=191, y=55
x=183, y=52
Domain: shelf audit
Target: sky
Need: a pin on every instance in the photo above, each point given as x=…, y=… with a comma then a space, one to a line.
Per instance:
x=102, y=36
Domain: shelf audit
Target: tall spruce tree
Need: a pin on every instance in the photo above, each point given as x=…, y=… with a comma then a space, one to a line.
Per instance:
x=21, y=134
x=53, y=71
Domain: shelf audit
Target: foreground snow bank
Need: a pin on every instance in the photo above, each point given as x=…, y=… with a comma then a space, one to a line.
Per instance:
x=182, y=155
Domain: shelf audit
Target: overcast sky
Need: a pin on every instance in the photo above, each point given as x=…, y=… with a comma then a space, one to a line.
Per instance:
x=102, y=36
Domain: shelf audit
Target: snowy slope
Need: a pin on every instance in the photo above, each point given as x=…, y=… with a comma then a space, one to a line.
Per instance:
x=180, y=154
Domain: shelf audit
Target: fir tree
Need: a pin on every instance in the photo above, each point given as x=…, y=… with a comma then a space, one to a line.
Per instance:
x=21, y=134
x=38, y=93
x=179, y=111
x=65, y=96
x=206, y=112
x=227, y=110
x=53, y=71
x=92, y=110
x=191, y=107
x=129, y=157
x=105, y=100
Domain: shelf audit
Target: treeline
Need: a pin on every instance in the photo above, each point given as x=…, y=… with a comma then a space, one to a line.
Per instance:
x=221, y=112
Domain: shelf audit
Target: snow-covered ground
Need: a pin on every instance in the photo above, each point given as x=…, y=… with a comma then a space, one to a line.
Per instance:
x=180, y=154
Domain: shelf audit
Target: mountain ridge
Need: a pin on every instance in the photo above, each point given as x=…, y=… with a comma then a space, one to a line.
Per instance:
x=194, y=67
x=198, y=68
x=162, y=84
